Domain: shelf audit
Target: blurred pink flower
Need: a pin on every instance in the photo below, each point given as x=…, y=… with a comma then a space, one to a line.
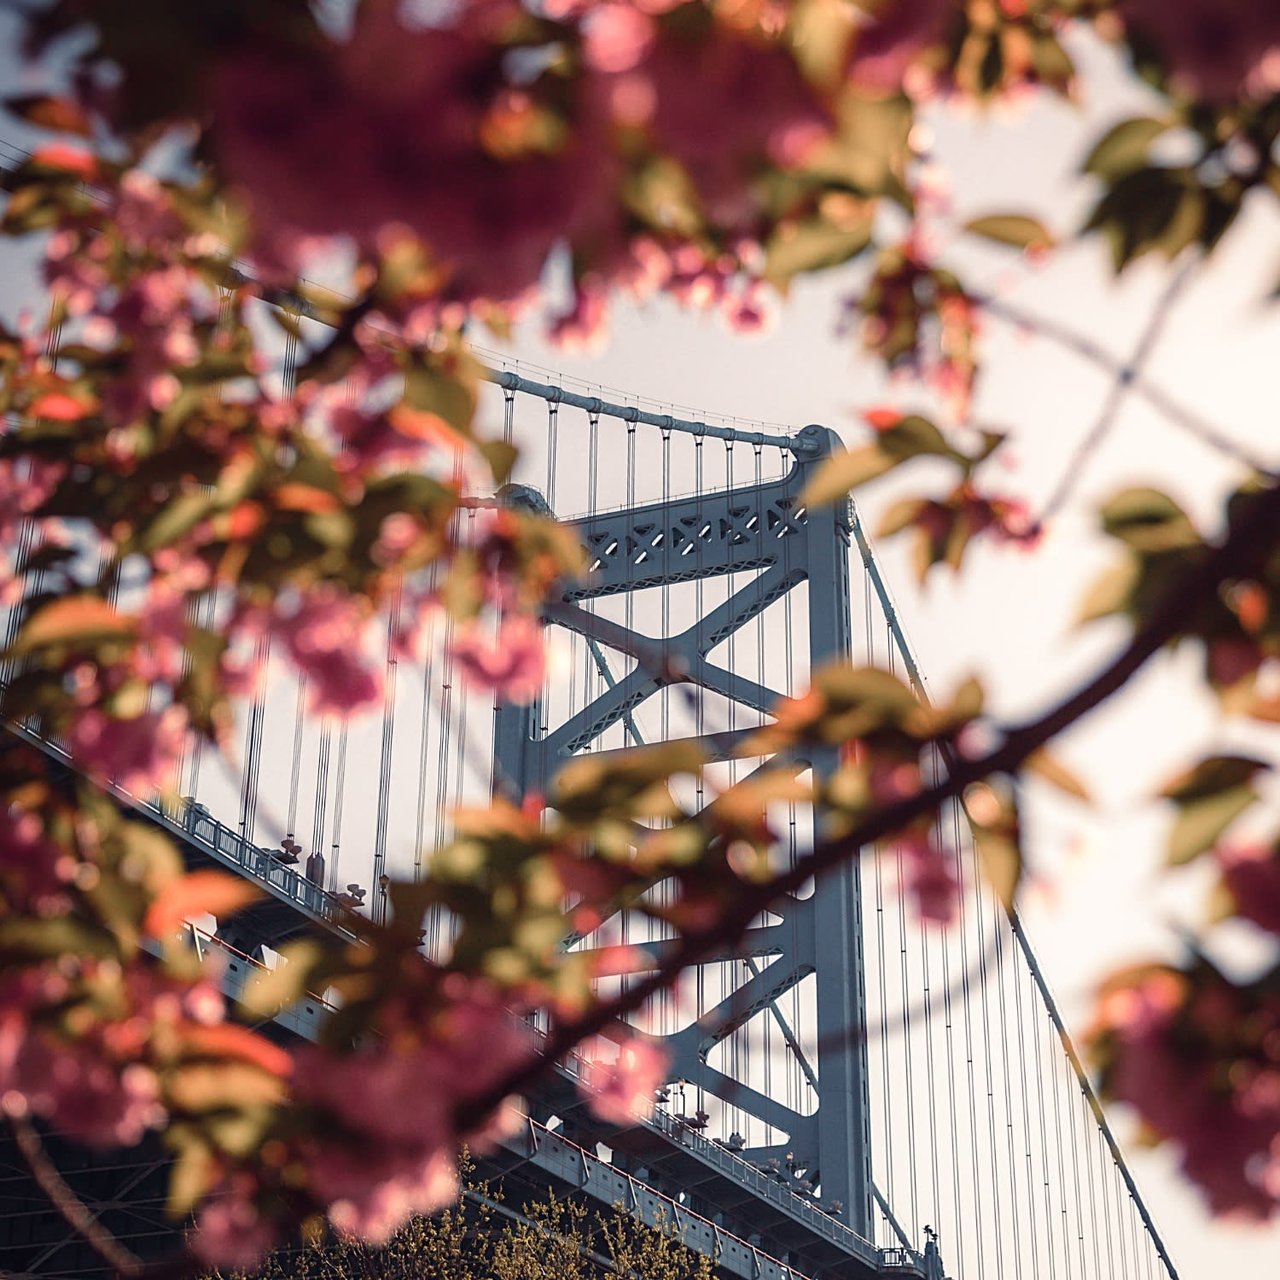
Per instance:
x=231, y=1231
x=1186, y=1056
x=371, y=1193
x=34, y=870
x=82, y=1089
x=929, y=877
x=319, y=144
x=700, y=88
x=1218, y=50
x=391, y=1148
x=25, y=485
x=1251, y=874
x=328, y=634
x=891, y=35
x=584, y=327
x=621, y=1092
x=139, y=753
x=512, y=663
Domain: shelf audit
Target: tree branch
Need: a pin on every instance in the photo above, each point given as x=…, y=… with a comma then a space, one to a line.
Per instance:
x=73, y=1210
x=1255, y=533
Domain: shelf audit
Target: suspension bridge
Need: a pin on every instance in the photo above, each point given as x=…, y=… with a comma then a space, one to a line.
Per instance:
x=851, y=1094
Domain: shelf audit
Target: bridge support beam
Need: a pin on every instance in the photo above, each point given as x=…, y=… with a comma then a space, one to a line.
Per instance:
x=762, y=530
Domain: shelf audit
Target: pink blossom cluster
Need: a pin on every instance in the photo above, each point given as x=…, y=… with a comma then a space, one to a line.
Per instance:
x=514, y=162
x=94, y=1076
x=929, y=878
x=621, y=1090
x=1216, y=50
x=917, y=317
x=387, y=1122
x=330, y=636
x=35, y=870
x=1251, y=875
x=25, y=485
x=138, y=753
x=1199, y=1060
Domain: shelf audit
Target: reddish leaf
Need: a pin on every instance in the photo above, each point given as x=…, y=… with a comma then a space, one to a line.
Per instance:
x=69, y=159
x=77, y=619
x=58, y=406
x=217, y=892
x=229, y=1040
x=51, y=113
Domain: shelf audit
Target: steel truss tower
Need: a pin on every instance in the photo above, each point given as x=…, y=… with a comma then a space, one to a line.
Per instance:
x=764, y=533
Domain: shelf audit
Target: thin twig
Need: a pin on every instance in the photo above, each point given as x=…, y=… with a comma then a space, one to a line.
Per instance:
x=1120, y=386
x=73, y=1210
x=1244, y=550
x=1177, y=414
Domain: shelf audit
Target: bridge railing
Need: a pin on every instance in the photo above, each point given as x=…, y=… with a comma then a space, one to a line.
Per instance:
x=194, y=823
x=202, y=829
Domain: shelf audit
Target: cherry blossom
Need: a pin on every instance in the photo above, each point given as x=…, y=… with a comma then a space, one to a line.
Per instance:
x=488, y=193
x=94, y=1086
x=232, y=1231
x=621, y=1091
x=1218, y=51
x=396, y=1105
x=1198, y=1059
x=511, y=661
x=1251, y=874
x=137, y=753
x=328, y=634
x=928, y=875
x=25, y=485
x=699, y=88
x=34, y=868
x=891, y=34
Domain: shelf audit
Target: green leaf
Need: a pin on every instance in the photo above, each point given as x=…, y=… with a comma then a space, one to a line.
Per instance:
x=1211, y=776
x=1113, y=591
x=174, y=519
x=501, y=457
x=193, y=1173
x=198, y=1087
x=1144, y=210
x=813, y=245
x=842, y=472
x=993, y=816
x=911, y=436
x=899, y=516
x=1148, y=521
x=450, y=395
x=1125, y=147
x=1209, y=797
x=270, y=990
x=1014, y=229
x=1200, y=822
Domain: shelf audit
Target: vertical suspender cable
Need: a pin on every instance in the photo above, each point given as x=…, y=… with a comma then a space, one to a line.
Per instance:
x=906, y=1000
x=424, y=742
x=384, y=763
x=253, y=742
x=1015, y=1215
x=295, y=769
x=1050, y=1249
x=339, y=796
x=322, y=800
